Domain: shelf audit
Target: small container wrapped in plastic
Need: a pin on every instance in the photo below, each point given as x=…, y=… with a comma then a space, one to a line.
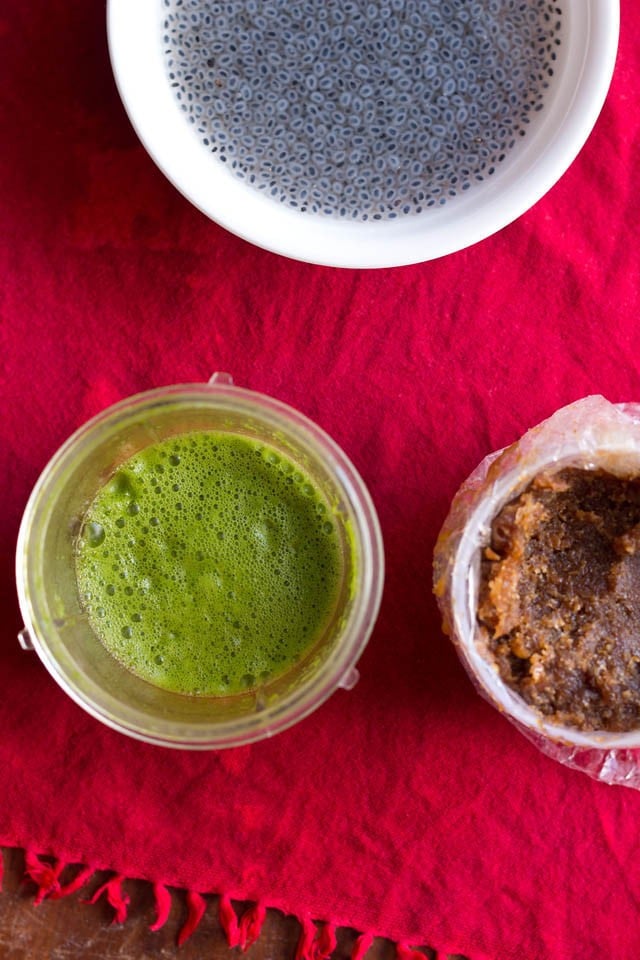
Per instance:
x=589, y=434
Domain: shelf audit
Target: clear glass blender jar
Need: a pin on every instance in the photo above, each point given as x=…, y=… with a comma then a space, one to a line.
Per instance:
x=58, y=628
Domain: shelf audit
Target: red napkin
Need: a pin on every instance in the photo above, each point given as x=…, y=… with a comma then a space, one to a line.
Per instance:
x=407, y=807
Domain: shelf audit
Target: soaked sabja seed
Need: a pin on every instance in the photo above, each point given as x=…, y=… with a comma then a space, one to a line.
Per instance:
x=358, y=109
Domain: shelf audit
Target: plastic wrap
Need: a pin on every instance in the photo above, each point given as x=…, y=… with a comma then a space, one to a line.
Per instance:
x=592, y=434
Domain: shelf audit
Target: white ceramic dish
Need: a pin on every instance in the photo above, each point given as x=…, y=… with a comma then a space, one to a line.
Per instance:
x=589, y=37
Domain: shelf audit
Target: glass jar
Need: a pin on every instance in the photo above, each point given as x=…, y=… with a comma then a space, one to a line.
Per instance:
x=58, y=628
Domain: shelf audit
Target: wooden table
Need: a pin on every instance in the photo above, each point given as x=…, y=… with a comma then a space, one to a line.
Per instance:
x=68, y=928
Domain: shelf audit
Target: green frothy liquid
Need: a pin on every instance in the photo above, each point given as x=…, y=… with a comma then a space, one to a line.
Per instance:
x=209, y=564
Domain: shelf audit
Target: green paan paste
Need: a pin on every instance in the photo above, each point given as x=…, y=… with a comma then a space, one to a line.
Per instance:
x=208, y=564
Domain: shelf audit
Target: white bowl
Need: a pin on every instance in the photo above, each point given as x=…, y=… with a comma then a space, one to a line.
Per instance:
x=586, y=57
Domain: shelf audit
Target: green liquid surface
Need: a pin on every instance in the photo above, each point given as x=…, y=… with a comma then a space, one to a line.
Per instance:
x=209, y=564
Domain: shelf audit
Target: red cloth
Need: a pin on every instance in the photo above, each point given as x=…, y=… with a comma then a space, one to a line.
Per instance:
x=407, y=807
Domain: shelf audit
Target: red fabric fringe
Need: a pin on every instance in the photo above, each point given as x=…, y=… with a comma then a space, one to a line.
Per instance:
x=84, y=874
x=326, y=942
x=251, y=923
x=196, y=906
x=307, y=936
x=47, y=877
x=405, y=952
x=115, y=897
x=44, y=875
x=228, y=920
x=244, y=932
x=316, y=943
x=361, y=946
x=163, y=905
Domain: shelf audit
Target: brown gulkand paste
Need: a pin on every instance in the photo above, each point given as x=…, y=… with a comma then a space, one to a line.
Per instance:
x=560, y=598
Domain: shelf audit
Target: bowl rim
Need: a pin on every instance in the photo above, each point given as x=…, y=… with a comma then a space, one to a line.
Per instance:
x=139, y=71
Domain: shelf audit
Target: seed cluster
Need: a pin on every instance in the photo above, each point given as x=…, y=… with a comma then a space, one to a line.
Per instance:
x=361, y=109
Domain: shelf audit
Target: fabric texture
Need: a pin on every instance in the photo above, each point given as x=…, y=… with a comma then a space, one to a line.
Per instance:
x=406, y=807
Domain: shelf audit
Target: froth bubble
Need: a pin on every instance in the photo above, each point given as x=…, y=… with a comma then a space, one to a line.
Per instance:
x=121, y=484
x=94, y=534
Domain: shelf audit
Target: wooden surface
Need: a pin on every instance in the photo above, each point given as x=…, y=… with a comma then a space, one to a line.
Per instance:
x=67, y=929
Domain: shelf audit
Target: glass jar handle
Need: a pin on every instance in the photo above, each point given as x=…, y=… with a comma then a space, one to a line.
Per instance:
x=225, y=379
x=350, y=679
x=24, y=639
